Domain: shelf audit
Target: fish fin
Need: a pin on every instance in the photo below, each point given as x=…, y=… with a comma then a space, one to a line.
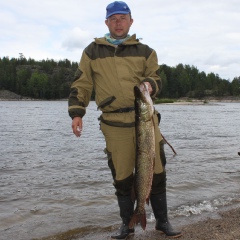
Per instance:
x=138, y=218
x=147, y=201
x=133, y=221
x=143, y=221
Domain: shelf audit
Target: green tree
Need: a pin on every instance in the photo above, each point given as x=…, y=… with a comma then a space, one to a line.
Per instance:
x=164, y=90
x=170, y=86
x=23, y=76
x=223, y=87
x=235, y=86
x=37, y=85
x=184, y=83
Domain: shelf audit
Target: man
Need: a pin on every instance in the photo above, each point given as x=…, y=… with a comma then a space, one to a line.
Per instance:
x=112, y=66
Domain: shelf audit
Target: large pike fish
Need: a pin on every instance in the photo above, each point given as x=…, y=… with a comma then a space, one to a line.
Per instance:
x=145, y=153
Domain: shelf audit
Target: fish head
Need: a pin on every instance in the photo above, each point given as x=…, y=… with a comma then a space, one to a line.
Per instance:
x=143, y=103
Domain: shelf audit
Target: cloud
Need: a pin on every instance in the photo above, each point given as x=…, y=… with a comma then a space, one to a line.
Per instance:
x=200, y=33
x=76, y=39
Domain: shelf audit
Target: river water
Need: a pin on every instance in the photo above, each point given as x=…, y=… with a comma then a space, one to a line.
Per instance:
x=52, y=182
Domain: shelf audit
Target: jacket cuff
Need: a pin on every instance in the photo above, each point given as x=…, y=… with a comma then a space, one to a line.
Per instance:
x=76, y=113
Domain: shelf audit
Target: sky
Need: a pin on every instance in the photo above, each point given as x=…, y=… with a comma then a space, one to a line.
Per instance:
x=204, y=34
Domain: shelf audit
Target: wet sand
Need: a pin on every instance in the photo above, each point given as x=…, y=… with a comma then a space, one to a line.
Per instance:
x=223, y=225
x=226, y=226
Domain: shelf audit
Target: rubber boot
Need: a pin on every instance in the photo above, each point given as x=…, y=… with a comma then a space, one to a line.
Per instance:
x=126, y=206
x=159, y=206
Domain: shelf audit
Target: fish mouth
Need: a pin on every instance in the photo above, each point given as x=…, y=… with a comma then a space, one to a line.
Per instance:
x=139, y=91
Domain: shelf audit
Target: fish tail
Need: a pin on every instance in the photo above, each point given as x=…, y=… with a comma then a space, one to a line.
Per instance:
x=138, y=218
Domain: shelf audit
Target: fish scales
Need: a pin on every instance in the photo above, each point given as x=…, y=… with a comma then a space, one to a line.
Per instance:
x=145, y=153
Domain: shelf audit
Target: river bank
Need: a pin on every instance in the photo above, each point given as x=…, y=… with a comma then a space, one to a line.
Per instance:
x=223, y=225
x=220, y=225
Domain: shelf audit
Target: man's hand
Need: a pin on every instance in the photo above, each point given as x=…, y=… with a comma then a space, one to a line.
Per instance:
x=149, y=87
x=77, y=126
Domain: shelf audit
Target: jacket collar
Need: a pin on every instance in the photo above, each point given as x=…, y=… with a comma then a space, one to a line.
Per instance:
x=131, y=41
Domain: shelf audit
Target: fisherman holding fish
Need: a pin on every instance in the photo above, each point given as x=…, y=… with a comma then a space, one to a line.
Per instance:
x=124, y=75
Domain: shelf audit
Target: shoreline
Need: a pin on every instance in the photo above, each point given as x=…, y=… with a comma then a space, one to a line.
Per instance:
x=222, y=224
x=219, y=225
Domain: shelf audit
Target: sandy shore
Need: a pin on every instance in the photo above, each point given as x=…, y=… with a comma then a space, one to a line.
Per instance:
x=221, y=225
x=225, y=225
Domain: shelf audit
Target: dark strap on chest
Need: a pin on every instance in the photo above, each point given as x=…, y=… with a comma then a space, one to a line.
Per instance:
x=122, y=110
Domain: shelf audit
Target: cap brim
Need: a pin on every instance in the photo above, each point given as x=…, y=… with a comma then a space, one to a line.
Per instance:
x=117, y=12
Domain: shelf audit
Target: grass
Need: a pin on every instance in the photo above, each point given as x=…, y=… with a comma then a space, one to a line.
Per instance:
x=164, y=100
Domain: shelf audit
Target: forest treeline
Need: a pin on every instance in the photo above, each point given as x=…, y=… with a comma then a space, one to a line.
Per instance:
x=50, y=79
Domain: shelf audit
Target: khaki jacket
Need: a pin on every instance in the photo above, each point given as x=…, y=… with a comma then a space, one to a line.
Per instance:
x=113, y=71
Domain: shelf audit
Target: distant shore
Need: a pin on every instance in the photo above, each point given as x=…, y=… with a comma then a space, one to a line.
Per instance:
x=206, y=100
x=6, y=95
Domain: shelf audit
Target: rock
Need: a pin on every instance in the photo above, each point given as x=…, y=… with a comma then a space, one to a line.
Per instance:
x=8, y=95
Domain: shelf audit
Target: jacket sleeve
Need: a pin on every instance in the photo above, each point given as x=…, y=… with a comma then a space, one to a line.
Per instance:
x=151, y=73
x=81, y=88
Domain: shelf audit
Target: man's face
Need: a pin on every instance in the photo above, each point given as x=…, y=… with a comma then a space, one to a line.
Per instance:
x=119, y=25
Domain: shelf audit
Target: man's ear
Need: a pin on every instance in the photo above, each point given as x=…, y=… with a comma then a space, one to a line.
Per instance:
x=131, y=21
x=106, y=22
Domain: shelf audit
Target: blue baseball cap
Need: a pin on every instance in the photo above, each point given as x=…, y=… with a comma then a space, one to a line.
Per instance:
x=117, y=7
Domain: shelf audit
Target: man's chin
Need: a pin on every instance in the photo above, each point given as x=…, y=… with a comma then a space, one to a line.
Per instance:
x=119, y=36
